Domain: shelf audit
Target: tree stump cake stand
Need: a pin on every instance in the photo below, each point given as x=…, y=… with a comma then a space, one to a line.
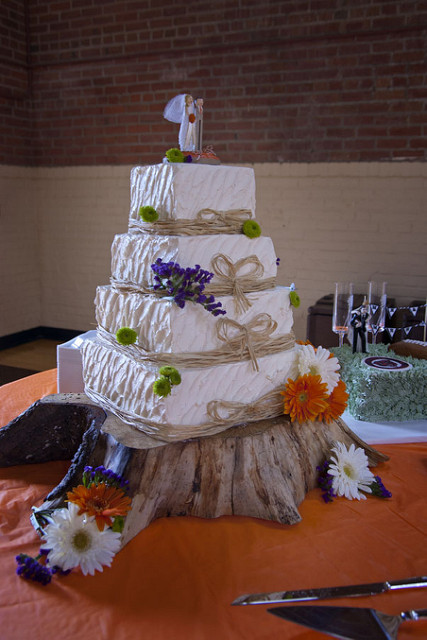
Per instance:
x=261, y=469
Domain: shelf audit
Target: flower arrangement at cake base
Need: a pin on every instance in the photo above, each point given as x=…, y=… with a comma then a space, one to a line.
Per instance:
x=86, y=533
x=314, y=390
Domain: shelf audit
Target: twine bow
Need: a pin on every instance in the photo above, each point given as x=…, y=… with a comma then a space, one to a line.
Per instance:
x=268, y=406
x=225, y=269
x=240, y=337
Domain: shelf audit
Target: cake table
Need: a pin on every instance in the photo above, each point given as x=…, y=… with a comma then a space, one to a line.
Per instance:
x=178, y=577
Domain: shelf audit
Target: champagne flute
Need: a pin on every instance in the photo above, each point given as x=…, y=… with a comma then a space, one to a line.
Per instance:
x=377, y=301
x=343, y=304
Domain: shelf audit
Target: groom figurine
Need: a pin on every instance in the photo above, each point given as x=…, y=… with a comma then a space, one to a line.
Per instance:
x=358, y=321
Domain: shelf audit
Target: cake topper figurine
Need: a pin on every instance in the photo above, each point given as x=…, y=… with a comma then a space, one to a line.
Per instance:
x=182, y=110
x=188, y=113
x=359, y=318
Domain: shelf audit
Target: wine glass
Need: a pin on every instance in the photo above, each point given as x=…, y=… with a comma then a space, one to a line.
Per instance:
x=377, y=301
x=343, y=304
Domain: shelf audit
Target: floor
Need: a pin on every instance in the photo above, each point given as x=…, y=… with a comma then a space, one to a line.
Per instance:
x=26, y=359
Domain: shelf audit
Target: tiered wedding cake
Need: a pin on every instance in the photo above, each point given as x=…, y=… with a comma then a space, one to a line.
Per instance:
x=231, y=366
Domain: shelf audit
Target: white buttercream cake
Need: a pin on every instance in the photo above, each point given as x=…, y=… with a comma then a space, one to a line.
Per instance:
x=233, y=366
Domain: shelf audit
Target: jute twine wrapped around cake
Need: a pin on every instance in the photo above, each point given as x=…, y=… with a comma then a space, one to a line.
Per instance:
x=207, y=222
x=269, y=405
x=241, y=342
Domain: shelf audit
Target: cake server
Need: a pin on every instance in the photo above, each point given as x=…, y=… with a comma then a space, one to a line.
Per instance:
x=348, y=623
x=325, y=593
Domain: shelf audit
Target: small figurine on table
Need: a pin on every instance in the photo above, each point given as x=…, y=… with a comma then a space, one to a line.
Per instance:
x=359, y=318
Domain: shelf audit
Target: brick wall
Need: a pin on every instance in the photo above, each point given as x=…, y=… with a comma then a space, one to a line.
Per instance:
x=283, y=81
x=15, y=114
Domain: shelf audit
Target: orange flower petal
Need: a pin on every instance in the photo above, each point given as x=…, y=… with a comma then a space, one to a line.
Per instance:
x=101, y=501
x=337, y=402
x=305, y=398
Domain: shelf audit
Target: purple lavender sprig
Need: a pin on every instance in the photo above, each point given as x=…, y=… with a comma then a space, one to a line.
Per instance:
x=378, y=489
x=183, y=284
x=31, y=569
x=324, y=480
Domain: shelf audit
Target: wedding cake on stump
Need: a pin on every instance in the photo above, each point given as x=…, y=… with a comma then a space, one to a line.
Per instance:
x=193, y=334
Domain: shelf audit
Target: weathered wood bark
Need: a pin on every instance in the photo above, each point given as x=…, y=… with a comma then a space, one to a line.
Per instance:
x=261, y=469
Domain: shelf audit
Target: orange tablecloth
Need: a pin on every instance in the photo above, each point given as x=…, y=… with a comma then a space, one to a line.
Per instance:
x=177, y=578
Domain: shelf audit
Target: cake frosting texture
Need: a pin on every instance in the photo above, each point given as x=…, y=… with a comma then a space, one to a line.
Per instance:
x=181, y=190
x=233, y=361
x=378, y=395
x=133, y=254
x=162, y=326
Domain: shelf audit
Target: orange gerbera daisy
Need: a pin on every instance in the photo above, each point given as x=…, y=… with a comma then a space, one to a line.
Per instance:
x=305, y=397
x=102, y=501
x=337, y=403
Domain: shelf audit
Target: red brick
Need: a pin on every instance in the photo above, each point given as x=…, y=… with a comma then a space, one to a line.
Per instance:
x=314, y=75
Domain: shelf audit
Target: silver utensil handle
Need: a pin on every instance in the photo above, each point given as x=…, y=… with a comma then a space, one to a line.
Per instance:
x=414, y=614
x=408, y=583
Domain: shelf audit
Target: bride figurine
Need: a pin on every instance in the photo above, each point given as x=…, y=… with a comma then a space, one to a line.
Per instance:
x=181, y=109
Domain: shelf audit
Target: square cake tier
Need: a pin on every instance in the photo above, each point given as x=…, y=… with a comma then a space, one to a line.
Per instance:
x=132, y=255
x=128, y=386
x=181, y=190
x=162, y=326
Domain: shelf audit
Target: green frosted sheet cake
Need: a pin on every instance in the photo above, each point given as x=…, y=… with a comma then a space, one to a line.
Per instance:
x=383, y=387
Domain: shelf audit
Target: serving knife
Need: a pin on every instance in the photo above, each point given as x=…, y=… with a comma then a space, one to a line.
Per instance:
x=350, y=591
x=348, y=623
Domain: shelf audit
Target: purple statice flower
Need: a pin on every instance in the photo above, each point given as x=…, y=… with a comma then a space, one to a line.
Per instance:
x=101, y=474
x=324, y=480
x=188, y=159
x=184, y=284
x=378, y=489
x=31, y=569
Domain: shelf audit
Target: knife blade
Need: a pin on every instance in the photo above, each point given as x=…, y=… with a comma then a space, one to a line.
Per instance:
x=345, y=623
x=349, y=591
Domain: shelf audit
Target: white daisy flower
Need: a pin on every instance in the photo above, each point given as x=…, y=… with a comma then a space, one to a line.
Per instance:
x=317, y=362
x=74, y=540
x=350, y=473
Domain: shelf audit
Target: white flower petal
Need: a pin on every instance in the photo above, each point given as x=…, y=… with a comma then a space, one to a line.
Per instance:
x=74, y=540
x=350, y=472
x=316, y=362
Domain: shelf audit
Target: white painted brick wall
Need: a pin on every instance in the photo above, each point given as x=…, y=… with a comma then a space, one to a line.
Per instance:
x=20, y=304
x=329, y=222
